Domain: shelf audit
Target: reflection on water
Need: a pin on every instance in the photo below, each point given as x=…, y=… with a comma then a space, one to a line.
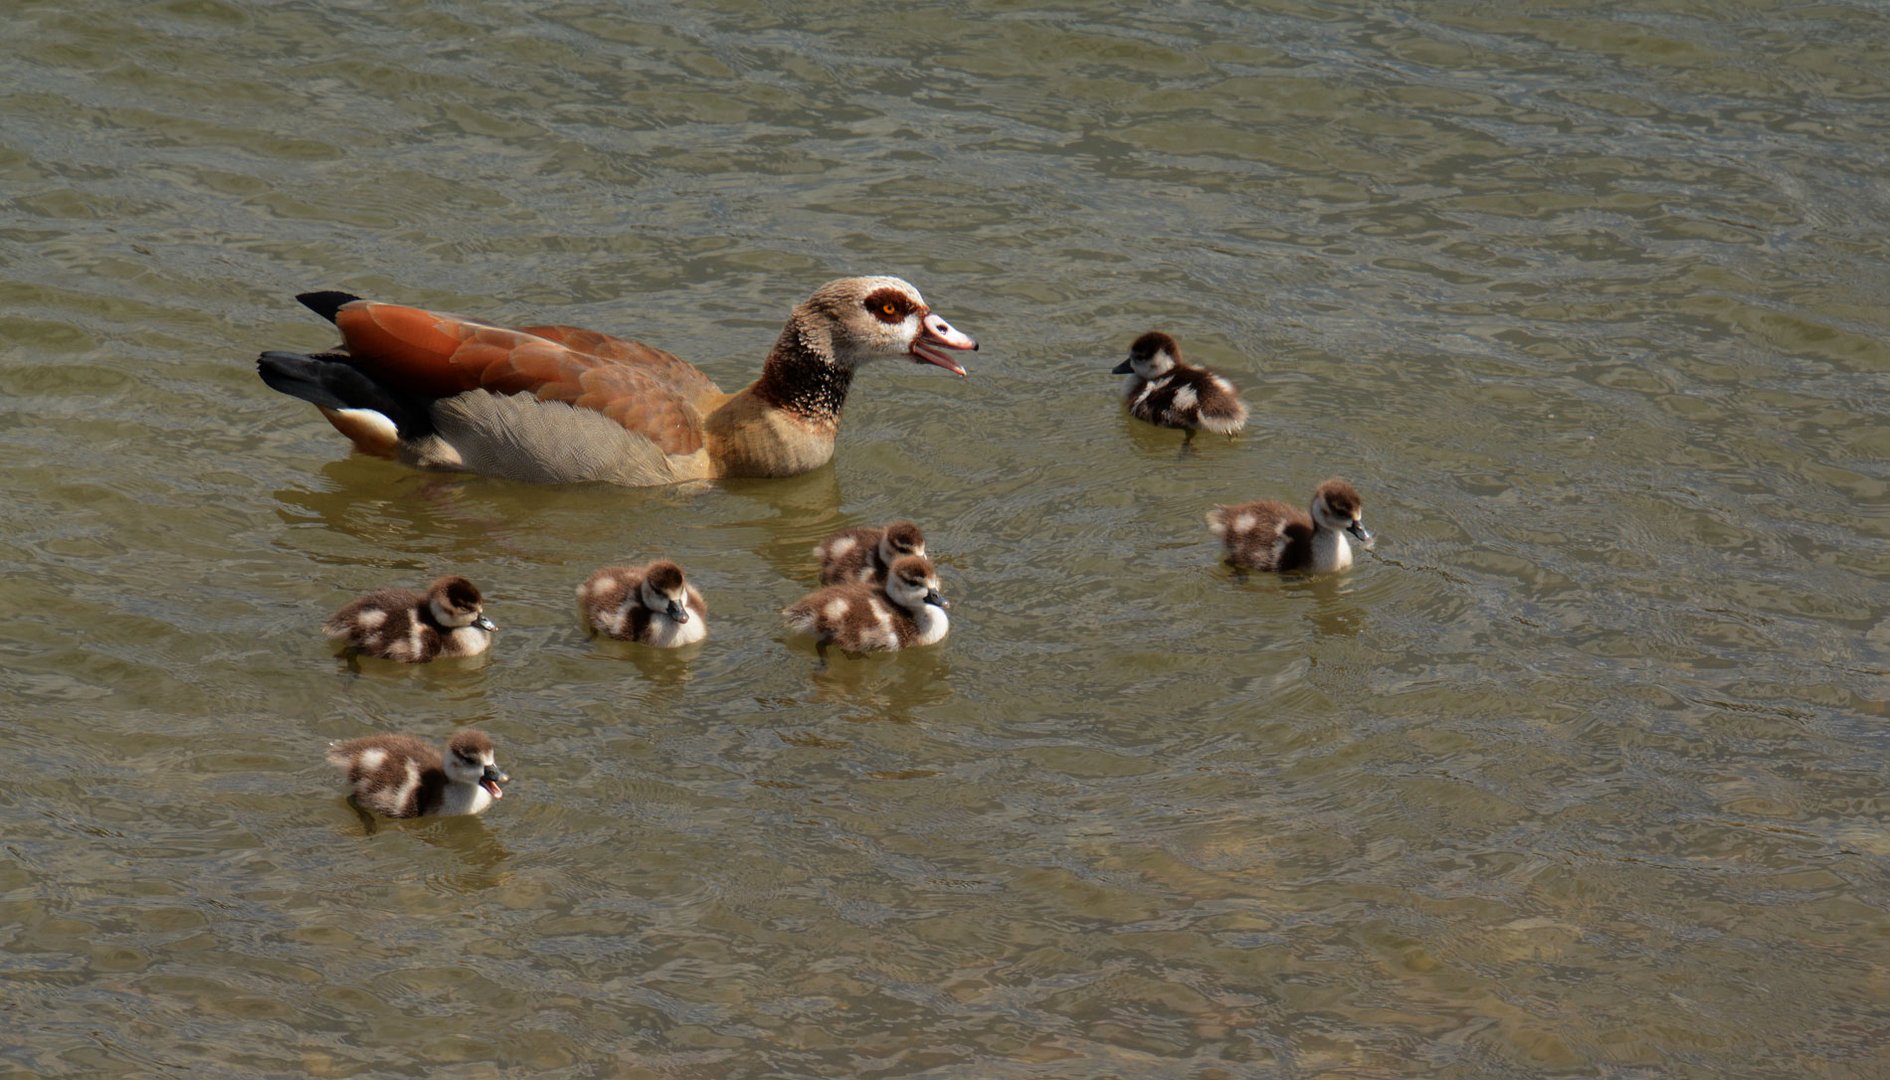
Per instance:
x=478, y=850
x=668, y=669
x=1579, y=771
x=877, y=686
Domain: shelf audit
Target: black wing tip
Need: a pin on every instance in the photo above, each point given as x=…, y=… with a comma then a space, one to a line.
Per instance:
x=298, y=375
x=326, y=302
x=328, y=380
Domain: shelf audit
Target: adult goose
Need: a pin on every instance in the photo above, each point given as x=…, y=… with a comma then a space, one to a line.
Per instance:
x=559, y=404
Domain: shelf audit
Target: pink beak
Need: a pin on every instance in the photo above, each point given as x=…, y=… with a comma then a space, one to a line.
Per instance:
x=936, y=334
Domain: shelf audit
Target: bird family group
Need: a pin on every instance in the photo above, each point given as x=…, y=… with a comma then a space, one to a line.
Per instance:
x=562, y=404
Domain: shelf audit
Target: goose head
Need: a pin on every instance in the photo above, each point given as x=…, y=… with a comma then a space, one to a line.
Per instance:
x=866, y=318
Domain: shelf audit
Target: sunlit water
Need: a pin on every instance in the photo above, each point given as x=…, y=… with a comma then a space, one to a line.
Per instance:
x=1583, y=770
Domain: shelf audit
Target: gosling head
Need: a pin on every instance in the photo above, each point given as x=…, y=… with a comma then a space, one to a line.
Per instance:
x=1336, y=505
x=901, y=538
x=455, y=602
x=665, y=590
x=470, y=760
x=1153, y=355
x=912, y=583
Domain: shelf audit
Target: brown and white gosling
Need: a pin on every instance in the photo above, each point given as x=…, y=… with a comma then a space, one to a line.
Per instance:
x=1163, y=389
x=400, y=624
x=867, y=554
x=906, y=611
x=1274, y=536
x=651, y=605
x=403, y=777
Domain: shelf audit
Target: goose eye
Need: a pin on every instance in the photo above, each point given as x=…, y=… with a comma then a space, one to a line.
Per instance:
x=889, y=308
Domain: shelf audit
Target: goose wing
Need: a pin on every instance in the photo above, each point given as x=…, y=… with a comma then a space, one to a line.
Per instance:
x=433, y=355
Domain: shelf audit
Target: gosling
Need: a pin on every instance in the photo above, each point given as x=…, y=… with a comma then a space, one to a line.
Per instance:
x=1164, y=390
x=651, y=605
x=401, y=776
x=866, y=555
x=906, y=611
x=1279, y=538
x=400, y=624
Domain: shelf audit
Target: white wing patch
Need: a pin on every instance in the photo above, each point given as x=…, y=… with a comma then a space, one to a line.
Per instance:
x=400, y=797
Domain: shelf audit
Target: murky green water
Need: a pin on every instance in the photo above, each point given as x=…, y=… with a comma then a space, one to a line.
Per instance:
x=1583, y=771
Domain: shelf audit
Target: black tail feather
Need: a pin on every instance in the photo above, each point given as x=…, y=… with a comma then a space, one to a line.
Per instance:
x=329, y=380
x=326, y=303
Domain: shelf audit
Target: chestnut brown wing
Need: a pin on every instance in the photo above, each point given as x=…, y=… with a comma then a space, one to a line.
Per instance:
x=432, y=355
x=668, y=368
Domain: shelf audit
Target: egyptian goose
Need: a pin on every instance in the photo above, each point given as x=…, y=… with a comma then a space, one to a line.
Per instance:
x=652, y=605
x=403, y=777
x=907, y=610
x=1274, y=536
x=865, y=555
x=557, y=404
x=1163, y=389
x=400, y=624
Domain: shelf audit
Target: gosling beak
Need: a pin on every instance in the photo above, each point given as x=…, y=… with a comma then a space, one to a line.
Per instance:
x=485, y=624
x=936, y=334
x=1358, y=529
x=933, y=598
x=1127, y=367
x=677, y=612
x=490, y=779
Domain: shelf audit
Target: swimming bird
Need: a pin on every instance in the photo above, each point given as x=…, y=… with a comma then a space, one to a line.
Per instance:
x=906, y=611
x=559, y=404
x=866, y=554
x=402, y=776
x=652, y=605
x=1165, y=390
x=400, y=624
x=1274, y=536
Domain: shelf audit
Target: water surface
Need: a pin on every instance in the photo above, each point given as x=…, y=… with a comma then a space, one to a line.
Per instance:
x=1581, y=771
